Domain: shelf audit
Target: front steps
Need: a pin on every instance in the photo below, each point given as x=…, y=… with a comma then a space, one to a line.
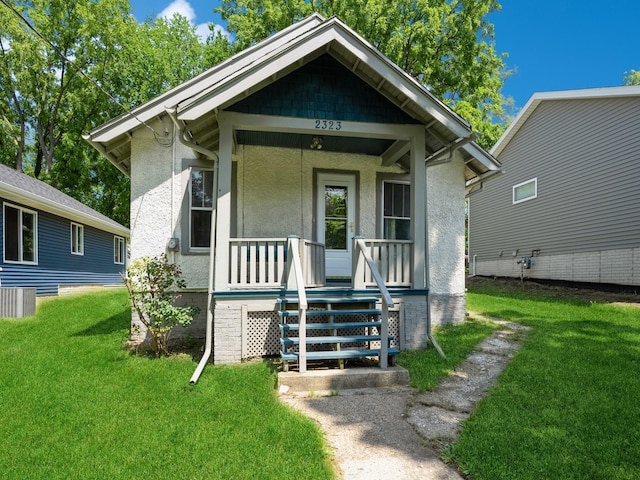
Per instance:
x=339, y=327
x=327, y=382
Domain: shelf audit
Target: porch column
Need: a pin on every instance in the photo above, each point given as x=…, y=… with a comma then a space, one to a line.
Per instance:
x=418, y=209
x=223, y=219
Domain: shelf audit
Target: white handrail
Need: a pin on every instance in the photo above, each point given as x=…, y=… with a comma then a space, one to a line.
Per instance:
x=387, y=301
x=294, y=274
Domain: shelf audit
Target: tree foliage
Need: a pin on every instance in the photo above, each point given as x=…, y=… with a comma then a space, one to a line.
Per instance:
x=632, y=77
x=153, y=284
x=447, y=45
x=86, y=62
x=53, y=86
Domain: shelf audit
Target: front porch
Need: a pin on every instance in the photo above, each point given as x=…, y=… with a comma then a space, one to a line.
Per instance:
x=279, y=302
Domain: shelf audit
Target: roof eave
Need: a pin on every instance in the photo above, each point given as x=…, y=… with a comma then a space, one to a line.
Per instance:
x=15, y=194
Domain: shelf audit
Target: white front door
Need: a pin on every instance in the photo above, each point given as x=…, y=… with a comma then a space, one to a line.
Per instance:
x=336, y=220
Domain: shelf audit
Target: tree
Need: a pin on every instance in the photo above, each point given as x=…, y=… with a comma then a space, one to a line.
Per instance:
x=447, y=45
x=86, y=62
x=632, y=77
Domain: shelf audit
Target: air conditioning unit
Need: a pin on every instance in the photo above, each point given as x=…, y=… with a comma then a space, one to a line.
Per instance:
x=17, y=302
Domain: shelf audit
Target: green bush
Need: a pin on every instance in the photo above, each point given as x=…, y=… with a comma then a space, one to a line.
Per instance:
x=153, y=285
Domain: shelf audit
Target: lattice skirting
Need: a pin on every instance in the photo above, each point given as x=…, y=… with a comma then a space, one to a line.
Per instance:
x=261, y=334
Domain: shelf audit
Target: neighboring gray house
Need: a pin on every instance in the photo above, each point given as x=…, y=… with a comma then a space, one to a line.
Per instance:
x=311, y=133
x=568, y=204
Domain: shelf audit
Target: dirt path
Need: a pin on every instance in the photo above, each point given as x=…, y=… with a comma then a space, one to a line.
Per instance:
x=398, y=432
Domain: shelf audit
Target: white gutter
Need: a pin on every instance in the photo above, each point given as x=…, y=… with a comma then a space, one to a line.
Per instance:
x=214, y=156
x=447, y=151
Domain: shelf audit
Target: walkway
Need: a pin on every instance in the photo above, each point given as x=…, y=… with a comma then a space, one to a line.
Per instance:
x=397, y=432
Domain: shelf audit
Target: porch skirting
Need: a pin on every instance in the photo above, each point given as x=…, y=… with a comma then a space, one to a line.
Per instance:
x=248, y=328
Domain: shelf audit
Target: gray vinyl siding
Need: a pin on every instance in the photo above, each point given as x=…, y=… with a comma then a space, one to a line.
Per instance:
x=586, y=157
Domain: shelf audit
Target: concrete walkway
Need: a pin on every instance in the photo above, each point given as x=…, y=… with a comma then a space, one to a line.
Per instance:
x=397, y=432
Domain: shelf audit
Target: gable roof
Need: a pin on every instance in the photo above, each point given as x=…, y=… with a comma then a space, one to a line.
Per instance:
x=539, y=97
x=196, y=101
x=20, y=188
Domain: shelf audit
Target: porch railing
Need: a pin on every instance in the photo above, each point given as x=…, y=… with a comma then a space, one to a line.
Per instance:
x=262, y=262
x=257, y=262
x=313, y=263
x=363, y=262
x=295, y=280
x=392, y=259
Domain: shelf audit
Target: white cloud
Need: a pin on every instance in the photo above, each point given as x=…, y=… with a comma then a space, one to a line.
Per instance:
x=202, y=30
x=182, y=7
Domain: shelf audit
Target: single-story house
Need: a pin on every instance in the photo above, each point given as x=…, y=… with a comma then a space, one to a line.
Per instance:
x=324, y=177
x=567, y=207
x=50, y=240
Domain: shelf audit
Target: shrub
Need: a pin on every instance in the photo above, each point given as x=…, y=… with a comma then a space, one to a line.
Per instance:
x=153, y=285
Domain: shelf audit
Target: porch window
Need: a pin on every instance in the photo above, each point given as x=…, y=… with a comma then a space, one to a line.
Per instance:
x=20, y=235
x=77, y=239
x=397, y=210
x=200, y=207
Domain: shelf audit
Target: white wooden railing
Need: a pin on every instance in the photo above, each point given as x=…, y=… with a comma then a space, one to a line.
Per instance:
x=313, y=263
x=261, y=262
x=257, y=262
x=364, y=263
x=392, y=259
x=295, y=281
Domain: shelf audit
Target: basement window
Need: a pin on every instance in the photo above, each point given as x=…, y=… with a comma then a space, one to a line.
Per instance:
x=525, y=191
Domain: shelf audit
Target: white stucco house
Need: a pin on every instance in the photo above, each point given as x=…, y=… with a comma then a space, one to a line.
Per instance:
x=330, y=183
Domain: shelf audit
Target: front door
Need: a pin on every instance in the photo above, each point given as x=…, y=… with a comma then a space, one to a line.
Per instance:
x=336, y=220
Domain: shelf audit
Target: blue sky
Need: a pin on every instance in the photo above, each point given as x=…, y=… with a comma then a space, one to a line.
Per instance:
x=552, y=44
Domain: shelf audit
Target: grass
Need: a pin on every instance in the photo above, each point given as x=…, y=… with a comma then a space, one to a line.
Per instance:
x=75, y=404
x=567, y=406
x=426, y=367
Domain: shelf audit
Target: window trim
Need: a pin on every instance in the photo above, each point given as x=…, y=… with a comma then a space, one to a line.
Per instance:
x=119, y=250
x=383, y=217
x=535, y=191
x=191, y=208
x=80, y=237
x=20, y=245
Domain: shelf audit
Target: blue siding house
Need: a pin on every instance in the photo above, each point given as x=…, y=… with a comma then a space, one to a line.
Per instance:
x=50, y=240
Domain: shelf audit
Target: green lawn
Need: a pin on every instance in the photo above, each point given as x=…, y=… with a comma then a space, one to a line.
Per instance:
x=568, y=405
x=75, y=404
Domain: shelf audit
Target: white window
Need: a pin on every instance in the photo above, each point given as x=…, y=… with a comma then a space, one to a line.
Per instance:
x=525, y=191
x=396, y=210
x=200, y=207
x=118, y=250
x=20, y=235
x=77, y=239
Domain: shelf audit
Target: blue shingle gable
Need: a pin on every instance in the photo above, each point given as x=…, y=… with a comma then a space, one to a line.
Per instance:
x=323, y=88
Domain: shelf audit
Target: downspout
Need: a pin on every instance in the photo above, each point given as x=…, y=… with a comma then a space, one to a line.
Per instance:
x=437, y=159
x=214, y=156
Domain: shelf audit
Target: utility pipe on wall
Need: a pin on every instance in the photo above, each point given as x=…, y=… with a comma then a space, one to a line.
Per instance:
x=214, y=156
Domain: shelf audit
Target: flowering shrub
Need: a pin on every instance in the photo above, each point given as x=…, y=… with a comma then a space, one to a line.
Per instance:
x=153, y=285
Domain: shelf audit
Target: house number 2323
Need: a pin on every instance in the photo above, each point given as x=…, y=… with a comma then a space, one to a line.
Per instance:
x=328, y=125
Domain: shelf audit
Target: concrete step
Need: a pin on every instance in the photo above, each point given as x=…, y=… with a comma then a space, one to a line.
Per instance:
x=319, y=381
